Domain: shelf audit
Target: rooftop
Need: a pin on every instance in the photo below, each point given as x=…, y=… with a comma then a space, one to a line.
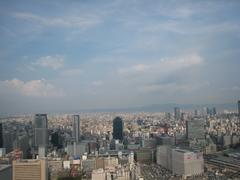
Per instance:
x=4, y=166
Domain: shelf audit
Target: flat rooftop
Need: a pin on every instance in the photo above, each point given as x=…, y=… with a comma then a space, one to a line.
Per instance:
x=4, y=166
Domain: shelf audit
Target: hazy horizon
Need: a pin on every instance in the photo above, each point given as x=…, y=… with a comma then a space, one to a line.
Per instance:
x=117, y=54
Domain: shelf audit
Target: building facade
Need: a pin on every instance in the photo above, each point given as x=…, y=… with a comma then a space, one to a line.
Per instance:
x=29, y=169
x=41, y=130
x=187, y=163
x=76, y=128
x=195, y=129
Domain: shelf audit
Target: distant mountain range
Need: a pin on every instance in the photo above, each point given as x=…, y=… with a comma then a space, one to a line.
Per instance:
x=150, y=108
x=168, y=108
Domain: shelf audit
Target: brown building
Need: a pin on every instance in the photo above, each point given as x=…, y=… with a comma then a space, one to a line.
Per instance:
x=145, y=155
x=29, y=170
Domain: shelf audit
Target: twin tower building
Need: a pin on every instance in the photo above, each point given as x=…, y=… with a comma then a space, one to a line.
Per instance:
x=41, y=138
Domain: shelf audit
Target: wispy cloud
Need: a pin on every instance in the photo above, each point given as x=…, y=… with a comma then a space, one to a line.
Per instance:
x=65, y=21
x=97, y=83
x=233, y=88
x=72, y=72
x=163, y=75
x=192, y=27
x=33, y=88
x=53, y=62
x=172, y=87
x=163, y=66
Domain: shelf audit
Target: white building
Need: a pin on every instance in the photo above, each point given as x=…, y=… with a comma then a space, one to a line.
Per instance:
x=98, y=174
x=187, y=163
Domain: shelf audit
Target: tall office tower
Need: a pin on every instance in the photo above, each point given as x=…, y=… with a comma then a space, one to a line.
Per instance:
x=195, y=112
x=1, y=135
x=76, y=127
x=118, y=128
x=41, y=130
x=238, y=114
x=208, y=111
x=29, y=169
x=195, y=129
x=177, y=114
x=214, y=111
x=239, y=108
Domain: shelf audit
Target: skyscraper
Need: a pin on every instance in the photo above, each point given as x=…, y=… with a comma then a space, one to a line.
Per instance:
x=76, y=127
x=118, y=128
x=195, y=129
x=1, y=135
x=177, y=114
x=41, y=130
x=239, y=108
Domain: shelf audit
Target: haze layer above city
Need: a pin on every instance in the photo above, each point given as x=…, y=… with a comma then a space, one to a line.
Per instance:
x=78, y=55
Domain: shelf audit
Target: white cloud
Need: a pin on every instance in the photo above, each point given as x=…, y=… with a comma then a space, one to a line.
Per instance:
x=33, y=88
x=53, y=62
x=199, y=27
x=82, y=22
x=165, y=88
x=97, y=83
x=163, y=66
x=236, y=88
x=233, y=88
x=172, y=87
x=72, y=72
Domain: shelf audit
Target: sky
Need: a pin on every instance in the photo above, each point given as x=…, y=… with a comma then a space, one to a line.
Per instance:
x=90, y=54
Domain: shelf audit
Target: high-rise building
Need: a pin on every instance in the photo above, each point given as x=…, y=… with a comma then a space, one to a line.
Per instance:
x=22, y=142
x=77, y=149
x=164, y=156
x=41, y=130
x=211, y=111
x=195, y=112
x=239, y=108
x=56, y=139
x=195, y=129
x=187, y=163
x=1, y=135
x=177, y=114
x=8, y=139
x=118, y=128
x=29, y=169
x=76, y=128
x=214, y=111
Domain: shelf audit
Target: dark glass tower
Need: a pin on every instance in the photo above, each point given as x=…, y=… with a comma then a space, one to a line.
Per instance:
x=1, y=135
x=118, y=128
x=41, y=130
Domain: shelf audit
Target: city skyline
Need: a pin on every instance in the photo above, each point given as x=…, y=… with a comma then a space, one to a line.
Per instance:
x=72, y=55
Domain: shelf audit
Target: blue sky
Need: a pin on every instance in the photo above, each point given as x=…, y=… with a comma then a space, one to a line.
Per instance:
x=69, y=55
